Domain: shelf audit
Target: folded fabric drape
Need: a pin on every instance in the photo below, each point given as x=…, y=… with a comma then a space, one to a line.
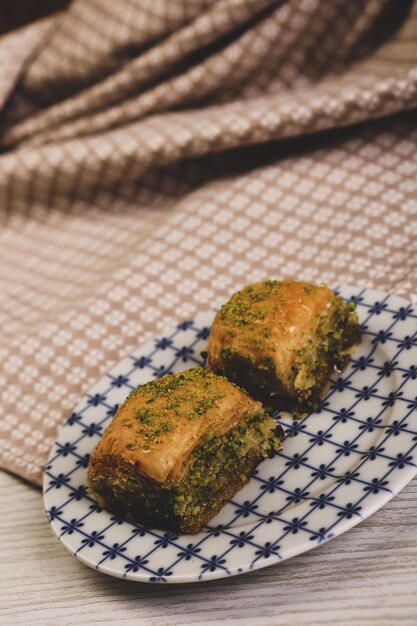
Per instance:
x=156, y=155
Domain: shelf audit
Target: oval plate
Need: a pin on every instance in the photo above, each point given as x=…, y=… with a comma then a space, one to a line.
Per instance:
x=339, y=465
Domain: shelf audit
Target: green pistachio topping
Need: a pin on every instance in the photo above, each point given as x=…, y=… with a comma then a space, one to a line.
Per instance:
x=190, y=395
x=245, y=306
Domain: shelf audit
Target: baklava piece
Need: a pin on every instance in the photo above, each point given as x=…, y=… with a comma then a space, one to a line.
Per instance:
x=281, y=340
x=178, y=449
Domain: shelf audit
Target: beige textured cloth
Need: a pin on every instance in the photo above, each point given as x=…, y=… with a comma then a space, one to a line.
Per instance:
x=156, y=155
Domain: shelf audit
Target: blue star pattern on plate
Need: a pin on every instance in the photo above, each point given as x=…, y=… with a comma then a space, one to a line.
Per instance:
x=338, y=466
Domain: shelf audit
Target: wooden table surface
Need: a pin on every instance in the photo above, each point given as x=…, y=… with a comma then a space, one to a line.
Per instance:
x=366, y=576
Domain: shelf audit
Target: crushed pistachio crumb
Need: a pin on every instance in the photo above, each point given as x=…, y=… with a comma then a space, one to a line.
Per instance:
x=152, y=434
x=144, y=415
x=202, y=407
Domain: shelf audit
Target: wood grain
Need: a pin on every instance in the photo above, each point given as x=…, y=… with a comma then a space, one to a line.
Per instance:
x=367, y=576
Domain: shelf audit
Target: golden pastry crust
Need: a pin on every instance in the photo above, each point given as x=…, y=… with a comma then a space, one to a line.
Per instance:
x=178, y=448
x=161, y=422
x=281, y=339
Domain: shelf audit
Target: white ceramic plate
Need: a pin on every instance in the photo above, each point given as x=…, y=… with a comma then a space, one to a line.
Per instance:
x=339, y=465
